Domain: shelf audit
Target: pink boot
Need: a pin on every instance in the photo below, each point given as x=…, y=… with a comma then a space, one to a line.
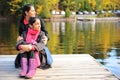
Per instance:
x=32, y=68
x=24, y=67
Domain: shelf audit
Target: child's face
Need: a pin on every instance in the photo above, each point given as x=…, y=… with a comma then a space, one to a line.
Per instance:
x=36, y=25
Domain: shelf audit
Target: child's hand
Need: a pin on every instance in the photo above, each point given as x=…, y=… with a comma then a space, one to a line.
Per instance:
x=26, y=48
x=29, y=47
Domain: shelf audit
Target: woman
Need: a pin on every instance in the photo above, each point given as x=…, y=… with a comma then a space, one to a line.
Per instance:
x=29, y=11
x=29, y=47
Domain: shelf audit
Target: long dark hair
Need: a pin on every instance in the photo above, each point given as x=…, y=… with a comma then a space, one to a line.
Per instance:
x=32, y=20
x=25, y=8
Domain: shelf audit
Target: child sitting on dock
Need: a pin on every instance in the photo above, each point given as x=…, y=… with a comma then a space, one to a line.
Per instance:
x=30, y=47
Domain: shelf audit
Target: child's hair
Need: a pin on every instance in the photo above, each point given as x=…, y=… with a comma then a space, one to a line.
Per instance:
x=32, y=20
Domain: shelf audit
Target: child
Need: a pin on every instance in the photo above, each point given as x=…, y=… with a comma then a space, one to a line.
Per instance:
x=29, y=47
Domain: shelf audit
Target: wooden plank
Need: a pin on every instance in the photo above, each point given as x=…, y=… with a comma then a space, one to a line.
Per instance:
x=64, y=67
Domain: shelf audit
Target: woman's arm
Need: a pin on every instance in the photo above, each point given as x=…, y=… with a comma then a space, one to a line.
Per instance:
x=43, y=28
x=20, y=42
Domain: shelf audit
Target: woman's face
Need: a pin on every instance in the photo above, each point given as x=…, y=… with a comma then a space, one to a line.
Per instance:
x=31, y=12
x=36, y=25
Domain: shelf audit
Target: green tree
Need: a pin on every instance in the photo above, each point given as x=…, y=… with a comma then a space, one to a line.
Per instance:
x=4, y=8
x=68, y=13
x=85, y=5
x=53, y=4
x=71, y=4
x=78, y=4
x=116, y=4
x=15, y=6
x=45, y=13
x=98, y=5
x=92, y=4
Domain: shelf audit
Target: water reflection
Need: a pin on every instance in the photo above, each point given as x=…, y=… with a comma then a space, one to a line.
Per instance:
x=8, y=34
x=100, y=39
x=95, y=38
x=112, y=61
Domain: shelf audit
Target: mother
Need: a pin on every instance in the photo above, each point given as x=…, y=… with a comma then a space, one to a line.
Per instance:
x=29, y=11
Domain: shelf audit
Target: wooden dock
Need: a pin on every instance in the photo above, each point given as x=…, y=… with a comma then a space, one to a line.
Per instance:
x=64, y=67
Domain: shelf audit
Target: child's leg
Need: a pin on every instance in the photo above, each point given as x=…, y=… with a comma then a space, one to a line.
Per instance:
x=32, y=65
x=38, y=63
x=24, y=65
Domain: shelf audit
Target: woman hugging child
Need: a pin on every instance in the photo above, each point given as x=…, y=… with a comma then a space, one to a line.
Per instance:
x=30, y=47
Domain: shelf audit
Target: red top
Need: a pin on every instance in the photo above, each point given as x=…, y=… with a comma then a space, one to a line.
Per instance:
x=25, y=21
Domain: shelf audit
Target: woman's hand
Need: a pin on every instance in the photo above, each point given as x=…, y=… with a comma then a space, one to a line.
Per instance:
x=26, y=48
x=44, y=39
x=19, y=38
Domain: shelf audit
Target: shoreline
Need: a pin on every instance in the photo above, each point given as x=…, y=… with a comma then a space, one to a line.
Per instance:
x=84, y=19
x=100, y=19
x=73, y=18
x=81, y=18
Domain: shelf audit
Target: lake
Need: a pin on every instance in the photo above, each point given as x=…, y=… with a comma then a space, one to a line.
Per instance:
x=101, y=39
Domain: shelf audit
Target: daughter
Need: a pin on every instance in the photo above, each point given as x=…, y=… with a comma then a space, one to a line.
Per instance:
x=29, y=47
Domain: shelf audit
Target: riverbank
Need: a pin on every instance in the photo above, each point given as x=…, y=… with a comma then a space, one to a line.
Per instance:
x=82, y=18
x=99, y=19
x=61, y=18
x=73, y=18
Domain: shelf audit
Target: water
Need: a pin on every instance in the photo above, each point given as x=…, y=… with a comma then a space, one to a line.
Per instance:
x=99, y=39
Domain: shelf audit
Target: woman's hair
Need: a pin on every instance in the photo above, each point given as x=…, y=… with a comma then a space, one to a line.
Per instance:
x=25, y=8
x=32, y=20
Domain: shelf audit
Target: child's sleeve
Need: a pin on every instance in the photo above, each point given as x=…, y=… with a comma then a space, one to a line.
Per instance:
x=18, y=43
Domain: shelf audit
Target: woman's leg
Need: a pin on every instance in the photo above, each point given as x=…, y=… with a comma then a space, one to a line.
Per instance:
x=49, y=56
x=17, y=60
